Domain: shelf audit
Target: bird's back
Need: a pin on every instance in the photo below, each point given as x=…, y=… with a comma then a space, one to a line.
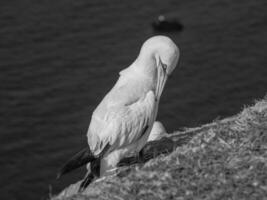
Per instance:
x=127, y=91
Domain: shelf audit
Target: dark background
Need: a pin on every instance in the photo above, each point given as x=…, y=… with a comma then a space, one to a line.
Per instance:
x=59, y=58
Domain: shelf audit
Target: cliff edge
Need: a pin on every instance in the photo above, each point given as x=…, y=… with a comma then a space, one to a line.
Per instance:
x=226, y=159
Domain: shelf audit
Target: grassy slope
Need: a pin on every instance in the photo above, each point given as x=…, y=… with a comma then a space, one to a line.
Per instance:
x=225, y=160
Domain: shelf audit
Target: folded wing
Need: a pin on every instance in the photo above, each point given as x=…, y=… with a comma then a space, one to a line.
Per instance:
x=121, y=125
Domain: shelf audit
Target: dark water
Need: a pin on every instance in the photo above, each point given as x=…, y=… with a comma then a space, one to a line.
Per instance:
x=59, y=58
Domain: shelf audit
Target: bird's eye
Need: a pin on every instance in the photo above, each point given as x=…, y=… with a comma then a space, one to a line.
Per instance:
x=164, y=66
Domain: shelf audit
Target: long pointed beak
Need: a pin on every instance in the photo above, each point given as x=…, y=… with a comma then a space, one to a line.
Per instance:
x=162, y=78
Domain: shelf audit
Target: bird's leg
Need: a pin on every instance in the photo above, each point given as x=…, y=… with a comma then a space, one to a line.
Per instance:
x=91, y=175
x=141, y=156
x=95, y=167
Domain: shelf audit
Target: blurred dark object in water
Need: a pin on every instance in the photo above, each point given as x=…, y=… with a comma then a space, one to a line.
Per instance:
x=163, y=23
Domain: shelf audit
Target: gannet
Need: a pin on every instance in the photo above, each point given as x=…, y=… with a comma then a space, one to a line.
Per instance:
x=122, y=122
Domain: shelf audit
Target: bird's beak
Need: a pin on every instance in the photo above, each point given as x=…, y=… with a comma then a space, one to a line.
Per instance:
x=162, y=77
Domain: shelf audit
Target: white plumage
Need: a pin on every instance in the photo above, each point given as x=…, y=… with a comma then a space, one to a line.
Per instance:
x=124, y=118
x=122, y=121
x=157, y=132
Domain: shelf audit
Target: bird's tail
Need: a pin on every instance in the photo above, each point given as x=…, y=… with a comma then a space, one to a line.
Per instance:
x=81, y=158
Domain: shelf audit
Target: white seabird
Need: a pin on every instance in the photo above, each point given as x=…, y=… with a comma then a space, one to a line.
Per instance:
x=122, y=122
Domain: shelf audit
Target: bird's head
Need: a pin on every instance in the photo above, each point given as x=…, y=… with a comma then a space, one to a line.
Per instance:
x=158, y=57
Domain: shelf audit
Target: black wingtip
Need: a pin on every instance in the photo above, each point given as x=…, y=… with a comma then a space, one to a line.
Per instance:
x=86, y=181
x=81, y=158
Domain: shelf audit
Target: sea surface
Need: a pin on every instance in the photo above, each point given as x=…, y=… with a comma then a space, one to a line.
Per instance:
x=59, y=58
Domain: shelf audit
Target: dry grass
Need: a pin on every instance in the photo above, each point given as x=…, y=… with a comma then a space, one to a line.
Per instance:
x=224, y=160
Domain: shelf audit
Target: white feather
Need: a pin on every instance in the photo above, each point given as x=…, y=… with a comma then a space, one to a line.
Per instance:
x=125, y=116
x=157, y=132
